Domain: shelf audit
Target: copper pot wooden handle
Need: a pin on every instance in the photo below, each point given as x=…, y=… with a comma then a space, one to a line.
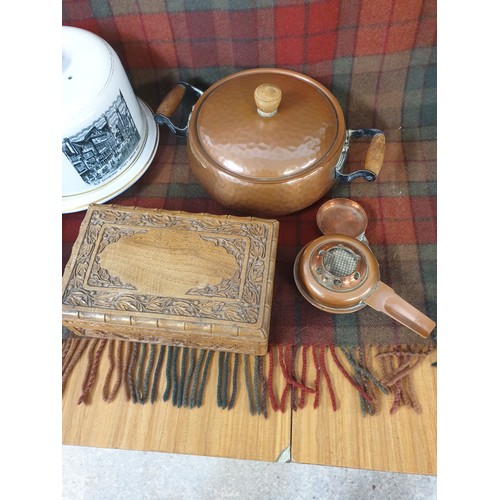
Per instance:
x=181, y=93
x=385, y=300
x=171, y=101
x=375, y=154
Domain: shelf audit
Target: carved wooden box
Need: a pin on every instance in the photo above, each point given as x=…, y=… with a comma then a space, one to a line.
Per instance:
x=173, y=278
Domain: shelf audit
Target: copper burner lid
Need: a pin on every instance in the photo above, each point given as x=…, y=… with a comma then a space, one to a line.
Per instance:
x=336, y=273
x=267, y=125
x=342, y=216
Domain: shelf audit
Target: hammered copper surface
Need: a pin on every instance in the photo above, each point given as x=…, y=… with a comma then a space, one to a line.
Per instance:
x=236, y=138
x=266, y=166
x=272, y=199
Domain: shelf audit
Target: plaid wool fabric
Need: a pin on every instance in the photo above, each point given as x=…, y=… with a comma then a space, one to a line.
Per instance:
x=378, y=57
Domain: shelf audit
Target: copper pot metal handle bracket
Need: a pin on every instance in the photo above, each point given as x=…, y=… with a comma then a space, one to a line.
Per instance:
x=374, y=156
x=175, y=109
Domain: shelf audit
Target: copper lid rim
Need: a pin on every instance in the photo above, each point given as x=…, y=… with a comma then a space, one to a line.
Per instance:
x=327, y=160
x=327, y=211
x=330, y=156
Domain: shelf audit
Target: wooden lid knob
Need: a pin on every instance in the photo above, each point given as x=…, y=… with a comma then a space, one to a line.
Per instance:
x=267, y=98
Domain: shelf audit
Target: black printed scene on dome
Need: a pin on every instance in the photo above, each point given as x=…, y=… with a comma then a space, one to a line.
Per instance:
x=99, y=151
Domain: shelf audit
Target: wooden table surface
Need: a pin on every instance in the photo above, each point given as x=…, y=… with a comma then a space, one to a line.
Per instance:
x=403, y=442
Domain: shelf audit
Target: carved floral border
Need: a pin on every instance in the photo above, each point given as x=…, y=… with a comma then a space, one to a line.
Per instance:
x=246, y=310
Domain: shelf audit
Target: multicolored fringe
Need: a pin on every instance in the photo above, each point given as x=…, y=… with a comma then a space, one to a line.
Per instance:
x=140, y=368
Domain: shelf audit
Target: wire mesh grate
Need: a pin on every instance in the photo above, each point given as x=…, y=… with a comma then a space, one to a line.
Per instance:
x=340, y=262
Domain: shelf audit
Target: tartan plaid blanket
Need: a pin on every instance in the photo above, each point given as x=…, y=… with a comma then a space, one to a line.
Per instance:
x=378, y=58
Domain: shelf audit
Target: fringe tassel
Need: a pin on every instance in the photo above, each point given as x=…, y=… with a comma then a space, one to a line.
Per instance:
x=90, y=376
x=303, y=392
x=251, y=404
x=142, y=393
x=320, y=365
x=270, y=388
x=186, y=388
x=137, y=367
x=130, y=347
x=370, y=383
x=156, y=376
x=286, y=363
x=223, y=374
x=114, y=362
x=196, y=377
x=256, y=385
x=291, y=359
x=187, y=382
x=262, y=384
x=72, y=352
x=317, y=381
x=397, y=365
x=168, y=372
x=327, y=377
x=285, y=368
x=134, y=347
x=224, y=379
x=199, y=397
x=66, y=342
x=365, y=379
x=179, y=386
x=348, y=377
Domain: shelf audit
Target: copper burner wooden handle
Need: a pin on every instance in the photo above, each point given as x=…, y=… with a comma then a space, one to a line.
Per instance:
x=385, y=300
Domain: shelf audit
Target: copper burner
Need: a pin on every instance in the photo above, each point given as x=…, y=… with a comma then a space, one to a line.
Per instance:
x=340, y=274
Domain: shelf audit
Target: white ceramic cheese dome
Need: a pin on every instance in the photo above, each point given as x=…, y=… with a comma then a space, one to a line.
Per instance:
x=109, y=136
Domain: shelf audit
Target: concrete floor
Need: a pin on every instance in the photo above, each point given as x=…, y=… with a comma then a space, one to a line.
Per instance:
x=102, y=474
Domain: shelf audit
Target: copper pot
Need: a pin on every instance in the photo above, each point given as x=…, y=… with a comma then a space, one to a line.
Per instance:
x=267, y=142
x=340, y=274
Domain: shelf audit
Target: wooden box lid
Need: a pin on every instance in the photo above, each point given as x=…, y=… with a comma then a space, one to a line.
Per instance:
x=172, y=277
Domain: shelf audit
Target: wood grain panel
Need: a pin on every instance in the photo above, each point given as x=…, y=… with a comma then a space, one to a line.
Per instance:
x=172, y=277
x=403, y=442
x=208, y=431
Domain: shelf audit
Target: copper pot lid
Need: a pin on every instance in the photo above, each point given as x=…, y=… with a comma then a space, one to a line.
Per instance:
x=237, y=129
